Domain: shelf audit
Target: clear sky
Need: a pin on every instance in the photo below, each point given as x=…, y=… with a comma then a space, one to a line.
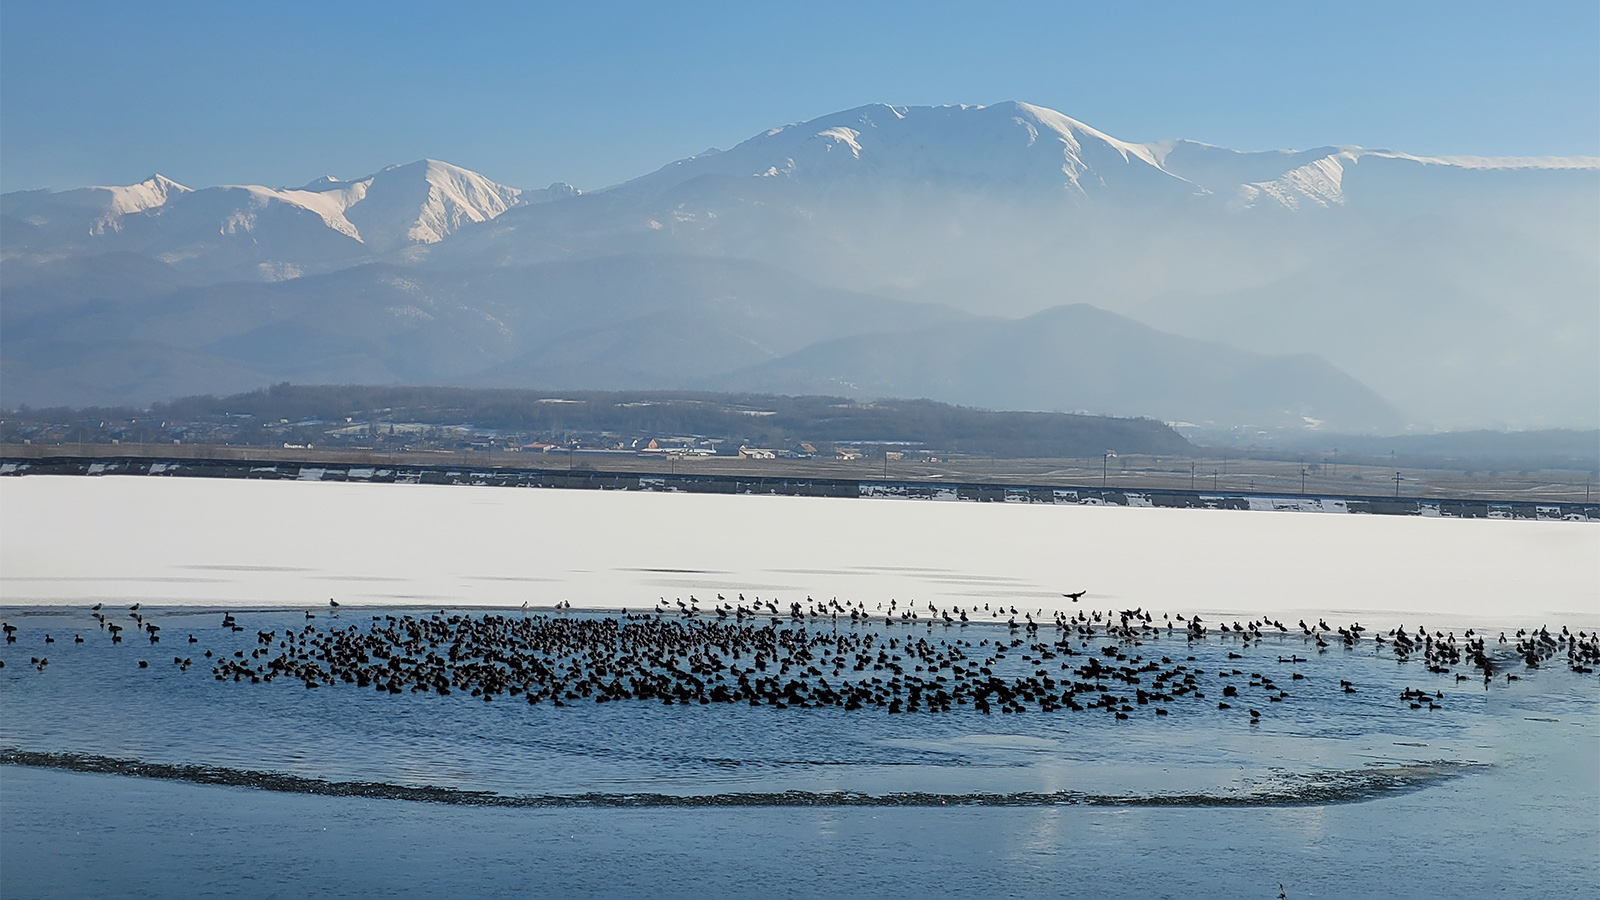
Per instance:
x=594, y=93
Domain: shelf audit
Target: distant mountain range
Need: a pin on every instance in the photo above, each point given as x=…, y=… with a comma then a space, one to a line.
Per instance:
x=255, y=232
x=1004, y=256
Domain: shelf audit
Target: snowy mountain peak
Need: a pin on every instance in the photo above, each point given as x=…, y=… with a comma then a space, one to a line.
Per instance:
x=558, y=190
x=1023, y=149
x=415, y=203
x=424, y=201
x=411, y=203
x=88, y=211
x=1006, y=146
x=1324, y=177
x=147, y=194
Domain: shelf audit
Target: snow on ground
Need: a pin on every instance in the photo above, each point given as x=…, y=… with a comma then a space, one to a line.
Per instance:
x=183, y=541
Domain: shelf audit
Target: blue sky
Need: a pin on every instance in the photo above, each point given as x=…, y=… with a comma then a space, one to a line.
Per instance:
x=594, y=93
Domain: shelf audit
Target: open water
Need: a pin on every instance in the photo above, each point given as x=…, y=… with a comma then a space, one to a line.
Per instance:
x=1332, y=794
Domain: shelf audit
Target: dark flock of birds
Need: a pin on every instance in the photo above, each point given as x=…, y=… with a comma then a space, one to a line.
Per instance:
x=839, y=654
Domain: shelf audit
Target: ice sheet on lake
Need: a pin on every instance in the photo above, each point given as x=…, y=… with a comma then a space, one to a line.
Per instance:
x=275, y=543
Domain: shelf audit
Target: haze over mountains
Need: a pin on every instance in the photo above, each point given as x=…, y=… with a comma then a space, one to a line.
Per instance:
x=1004, y=256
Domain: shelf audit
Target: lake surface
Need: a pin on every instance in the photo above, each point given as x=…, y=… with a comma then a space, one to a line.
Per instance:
x=272, y=543
x=1331, y=793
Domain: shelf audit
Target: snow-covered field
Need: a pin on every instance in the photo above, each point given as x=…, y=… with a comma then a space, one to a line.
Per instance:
x=183, y=541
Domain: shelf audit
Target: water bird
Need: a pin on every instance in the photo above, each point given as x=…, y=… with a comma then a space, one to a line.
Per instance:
x=789, y=663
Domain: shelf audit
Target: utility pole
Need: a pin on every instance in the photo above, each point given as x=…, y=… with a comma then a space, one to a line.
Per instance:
x=1191, y=476
x=1397, y=485
x=1302, y=479
x=1105, y=464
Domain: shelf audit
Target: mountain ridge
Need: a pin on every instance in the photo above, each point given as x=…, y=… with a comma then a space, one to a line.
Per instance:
x=1010, y=143
x=610, y=324
x=1079, y=358
x=990, y=212
x=230, y=230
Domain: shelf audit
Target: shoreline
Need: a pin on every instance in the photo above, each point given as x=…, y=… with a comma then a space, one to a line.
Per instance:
x=266, y=469
x=23, y=609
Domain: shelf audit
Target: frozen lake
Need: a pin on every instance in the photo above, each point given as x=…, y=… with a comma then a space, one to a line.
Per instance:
x=1488, y=788
x=190, y=541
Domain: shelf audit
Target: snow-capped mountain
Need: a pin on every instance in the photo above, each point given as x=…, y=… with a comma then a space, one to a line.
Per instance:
x=245, y=230
x=1010, y=146
x=1459, y=289
x=1336, y=176
x=87, y=210
x=1043, y=153
x=418, y=203
x=947, y=171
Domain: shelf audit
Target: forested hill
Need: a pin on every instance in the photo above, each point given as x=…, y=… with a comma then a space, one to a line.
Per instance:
x=608, y=418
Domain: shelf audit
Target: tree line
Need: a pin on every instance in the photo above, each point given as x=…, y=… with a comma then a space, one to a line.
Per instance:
x=752, y=419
